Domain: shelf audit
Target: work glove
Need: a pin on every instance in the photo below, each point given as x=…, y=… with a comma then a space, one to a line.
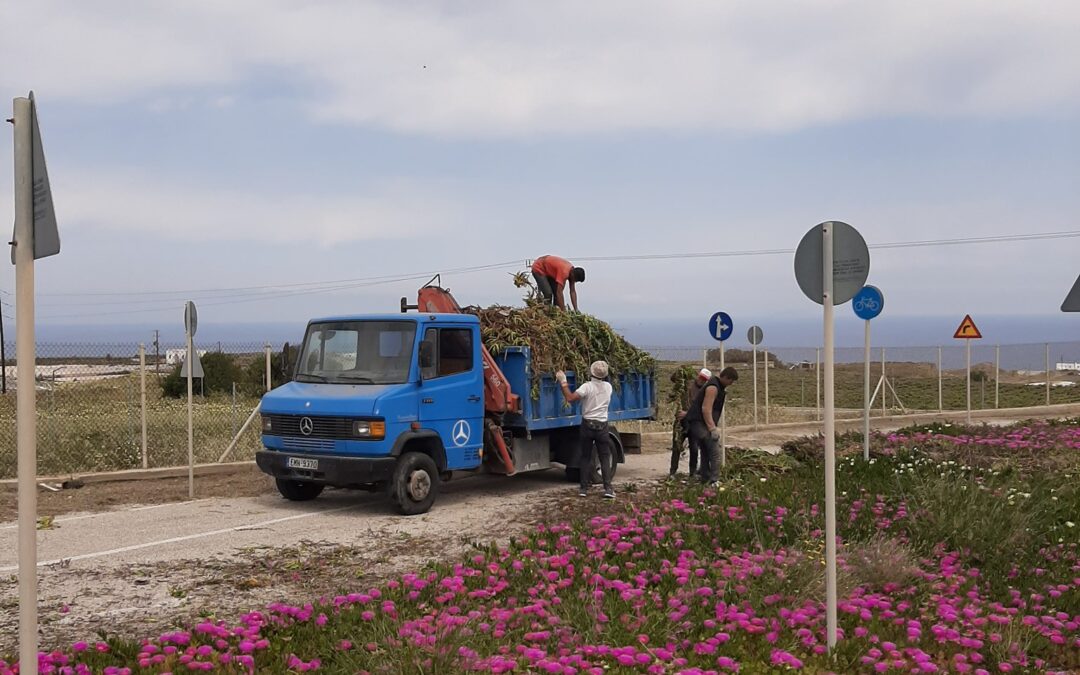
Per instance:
x=560, y=377
x=715, y=433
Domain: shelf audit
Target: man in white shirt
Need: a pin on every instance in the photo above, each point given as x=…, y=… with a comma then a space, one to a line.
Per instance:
x=595, y=397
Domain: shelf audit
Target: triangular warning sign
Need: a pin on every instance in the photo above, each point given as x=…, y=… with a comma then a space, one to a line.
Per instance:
x=1072, y=300
x=967, y=330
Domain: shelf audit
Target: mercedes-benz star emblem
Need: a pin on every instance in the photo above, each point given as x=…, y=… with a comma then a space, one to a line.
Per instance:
x=461, y=433
x=306, y=426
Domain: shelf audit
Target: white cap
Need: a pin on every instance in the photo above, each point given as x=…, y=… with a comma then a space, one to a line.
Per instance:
x=704, y=373
x=599, y=369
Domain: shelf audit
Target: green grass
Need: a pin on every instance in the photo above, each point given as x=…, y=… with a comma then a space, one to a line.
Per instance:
x=96, y=426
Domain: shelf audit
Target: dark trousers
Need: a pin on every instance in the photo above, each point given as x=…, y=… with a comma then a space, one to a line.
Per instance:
x=595, y=434
x=676, y=448
x=710, y=451
x=546, y=286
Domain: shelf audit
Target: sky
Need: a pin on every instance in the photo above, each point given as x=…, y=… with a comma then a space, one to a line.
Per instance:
x=274, y=160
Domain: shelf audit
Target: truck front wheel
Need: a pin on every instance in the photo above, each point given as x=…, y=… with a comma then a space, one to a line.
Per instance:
x=415, y=483
x=298, y=490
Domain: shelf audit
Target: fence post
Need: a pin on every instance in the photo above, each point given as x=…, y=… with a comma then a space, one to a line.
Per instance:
x=884, y=386
x=269, y=380
x=997, y=375
x=766, y=387
x=817, y=373
x=1047, y=373
x=142, y=388
x=940, y=400
x=705, y=358
x=234, y=408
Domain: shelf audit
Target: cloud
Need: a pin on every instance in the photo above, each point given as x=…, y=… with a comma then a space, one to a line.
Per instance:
x=521, y=69
x=128, y=203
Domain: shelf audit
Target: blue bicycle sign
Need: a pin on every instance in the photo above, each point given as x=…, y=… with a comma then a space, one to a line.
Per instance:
x=868, y=302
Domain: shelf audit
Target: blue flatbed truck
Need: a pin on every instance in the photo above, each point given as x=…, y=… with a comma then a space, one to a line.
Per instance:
x=400, y=402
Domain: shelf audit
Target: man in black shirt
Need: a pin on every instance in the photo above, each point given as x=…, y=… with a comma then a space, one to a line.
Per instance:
x=703, y=417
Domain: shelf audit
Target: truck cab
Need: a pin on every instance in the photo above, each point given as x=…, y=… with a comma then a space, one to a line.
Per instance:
x=392, y=401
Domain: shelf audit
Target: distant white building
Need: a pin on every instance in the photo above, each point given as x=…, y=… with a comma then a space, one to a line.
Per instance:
x=1068, y=366
x=176, y=356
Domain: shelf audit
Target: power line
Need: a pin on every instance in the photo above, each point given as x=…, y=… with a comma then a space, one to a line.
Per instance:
x=899, y=244
x=279, y=291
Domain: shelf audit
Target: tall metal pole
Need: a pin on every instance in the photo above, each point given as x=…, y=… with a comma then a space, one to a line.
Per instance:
x=723, y=416
x=25, y=356
x=997, y=376
x=755, y=384
x=766, y=387
x=269, y=378
x=190, y=421
x=142, y=389
x=940, y=399
x=967, y=350
x=866, y=393
x=830, y=437
x=3, y=359
x=1047, y=373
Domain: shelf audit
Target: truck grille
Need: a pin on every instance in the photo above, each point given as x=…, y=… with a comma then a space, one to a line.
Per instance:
x=307, y=444
x=321, y=427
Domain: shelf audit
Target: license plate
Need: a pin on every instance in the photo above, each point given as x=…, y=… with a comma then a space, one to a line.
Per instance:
x=302, y=463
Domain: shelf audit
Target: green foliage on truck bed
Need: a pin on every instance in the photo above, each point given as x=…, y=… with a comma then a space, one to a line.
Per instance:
x=560, y=340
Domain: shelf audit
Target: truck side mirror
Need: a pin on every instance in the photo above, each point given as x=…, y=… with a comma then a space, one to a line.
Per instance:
x=427, y=355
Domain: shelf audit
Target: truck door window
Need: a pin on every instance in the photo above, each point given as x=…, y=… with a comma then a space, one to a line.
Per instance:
x=453, y=351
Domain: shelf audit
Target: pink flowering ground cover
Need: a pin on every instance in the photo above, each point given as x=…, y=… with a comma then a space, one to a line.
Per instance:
x=946, y=567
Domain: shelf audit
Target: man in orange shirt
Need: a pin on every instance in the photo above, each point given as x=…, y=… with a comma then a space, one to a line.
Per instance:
x=551, y=274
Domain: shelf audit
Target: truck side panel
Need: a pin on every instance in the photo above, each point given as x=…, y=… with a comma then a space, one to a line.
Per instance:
x=634, y=398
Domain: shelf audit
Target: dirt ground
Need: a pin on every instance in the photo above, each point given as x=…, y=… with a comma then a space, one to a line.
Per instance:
x=244, y=481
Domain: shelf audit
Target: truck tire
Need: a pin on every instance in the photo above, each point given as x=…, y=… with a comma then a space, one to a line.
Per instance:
x=415, y=483
x=298, y=490
x=573, y=473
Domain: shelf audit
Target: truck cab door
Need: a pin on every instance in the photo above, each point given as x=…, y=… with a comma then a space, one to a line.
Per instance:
x=452, y=393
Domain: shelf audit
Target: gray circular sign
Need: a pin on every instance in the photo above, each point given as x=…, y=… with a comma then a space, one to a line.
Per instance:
x=191, y=318
x=754, y=335
x=851, y=263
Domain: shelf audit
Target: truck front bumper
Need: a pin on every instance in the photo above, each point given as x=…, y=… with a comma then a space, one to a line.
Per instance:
x=332, y=470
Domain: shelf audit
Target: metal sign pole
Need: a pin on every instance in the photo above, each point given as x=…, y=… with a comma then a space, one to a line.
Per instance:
x=967, y=350
x=142, y=396
x=940, y=399
x=997, y=375
x=723, y=415
x=755, y=385
x=26, y=416
x=269, y=378
x=766, y=387
x=866, y=393
x=830, y=436
x=190, y=425
x=1047, y=373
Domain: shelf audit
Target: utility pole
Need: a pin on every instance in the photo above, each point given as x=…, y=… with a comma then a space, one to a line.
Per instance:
x=157, y=353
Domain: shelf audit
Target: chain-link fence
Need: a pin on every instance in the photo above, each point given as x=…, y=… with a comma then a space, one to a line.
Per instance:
x=91, y=411
x=902, y=379
x=96, y=405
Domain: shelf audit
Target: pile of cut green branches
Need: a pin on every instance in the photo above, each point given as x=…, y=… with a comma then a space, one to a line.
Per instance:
x=560, y=340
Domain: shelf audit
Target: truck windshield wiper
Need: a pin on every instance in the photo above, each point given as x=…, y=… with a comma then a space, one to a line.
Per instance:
x=314, y=377
x=356, y=378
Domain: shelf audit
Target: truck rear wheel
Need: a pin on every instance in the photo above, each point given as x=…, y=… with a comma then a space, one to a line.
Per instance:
x=573, y=473
x=298, y=490
x=415, y=483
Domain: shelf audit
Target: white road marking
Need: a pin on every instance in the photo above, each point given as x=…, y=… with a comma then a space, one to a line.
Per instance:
x=109, y=513
x=173, y=540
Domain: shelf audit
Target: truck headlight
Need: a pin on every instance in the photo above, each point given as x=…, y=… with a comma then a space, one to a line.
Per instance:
x=370, y=429
x=267, y=424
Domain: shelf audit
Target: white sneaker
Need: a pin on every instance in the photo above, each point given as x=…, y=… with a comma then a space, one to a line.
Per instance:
x=609, y=494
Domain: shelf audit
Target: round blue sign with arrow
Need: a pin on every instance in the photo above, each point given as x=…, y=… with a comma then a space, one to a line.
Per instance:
x=720, y=326
x=868, y=302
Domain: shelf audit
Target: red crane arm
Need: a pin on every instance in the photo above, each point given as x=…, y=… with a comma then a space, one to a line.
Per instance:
x=498, y=397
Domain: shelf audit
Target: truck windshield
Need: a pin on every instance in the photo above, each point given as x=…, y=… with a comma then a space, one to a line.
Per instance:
x=357, y=352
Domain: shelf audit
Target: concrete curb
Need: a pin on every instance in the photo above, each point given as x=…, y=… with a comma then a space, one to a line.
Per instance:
x=138, y=474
